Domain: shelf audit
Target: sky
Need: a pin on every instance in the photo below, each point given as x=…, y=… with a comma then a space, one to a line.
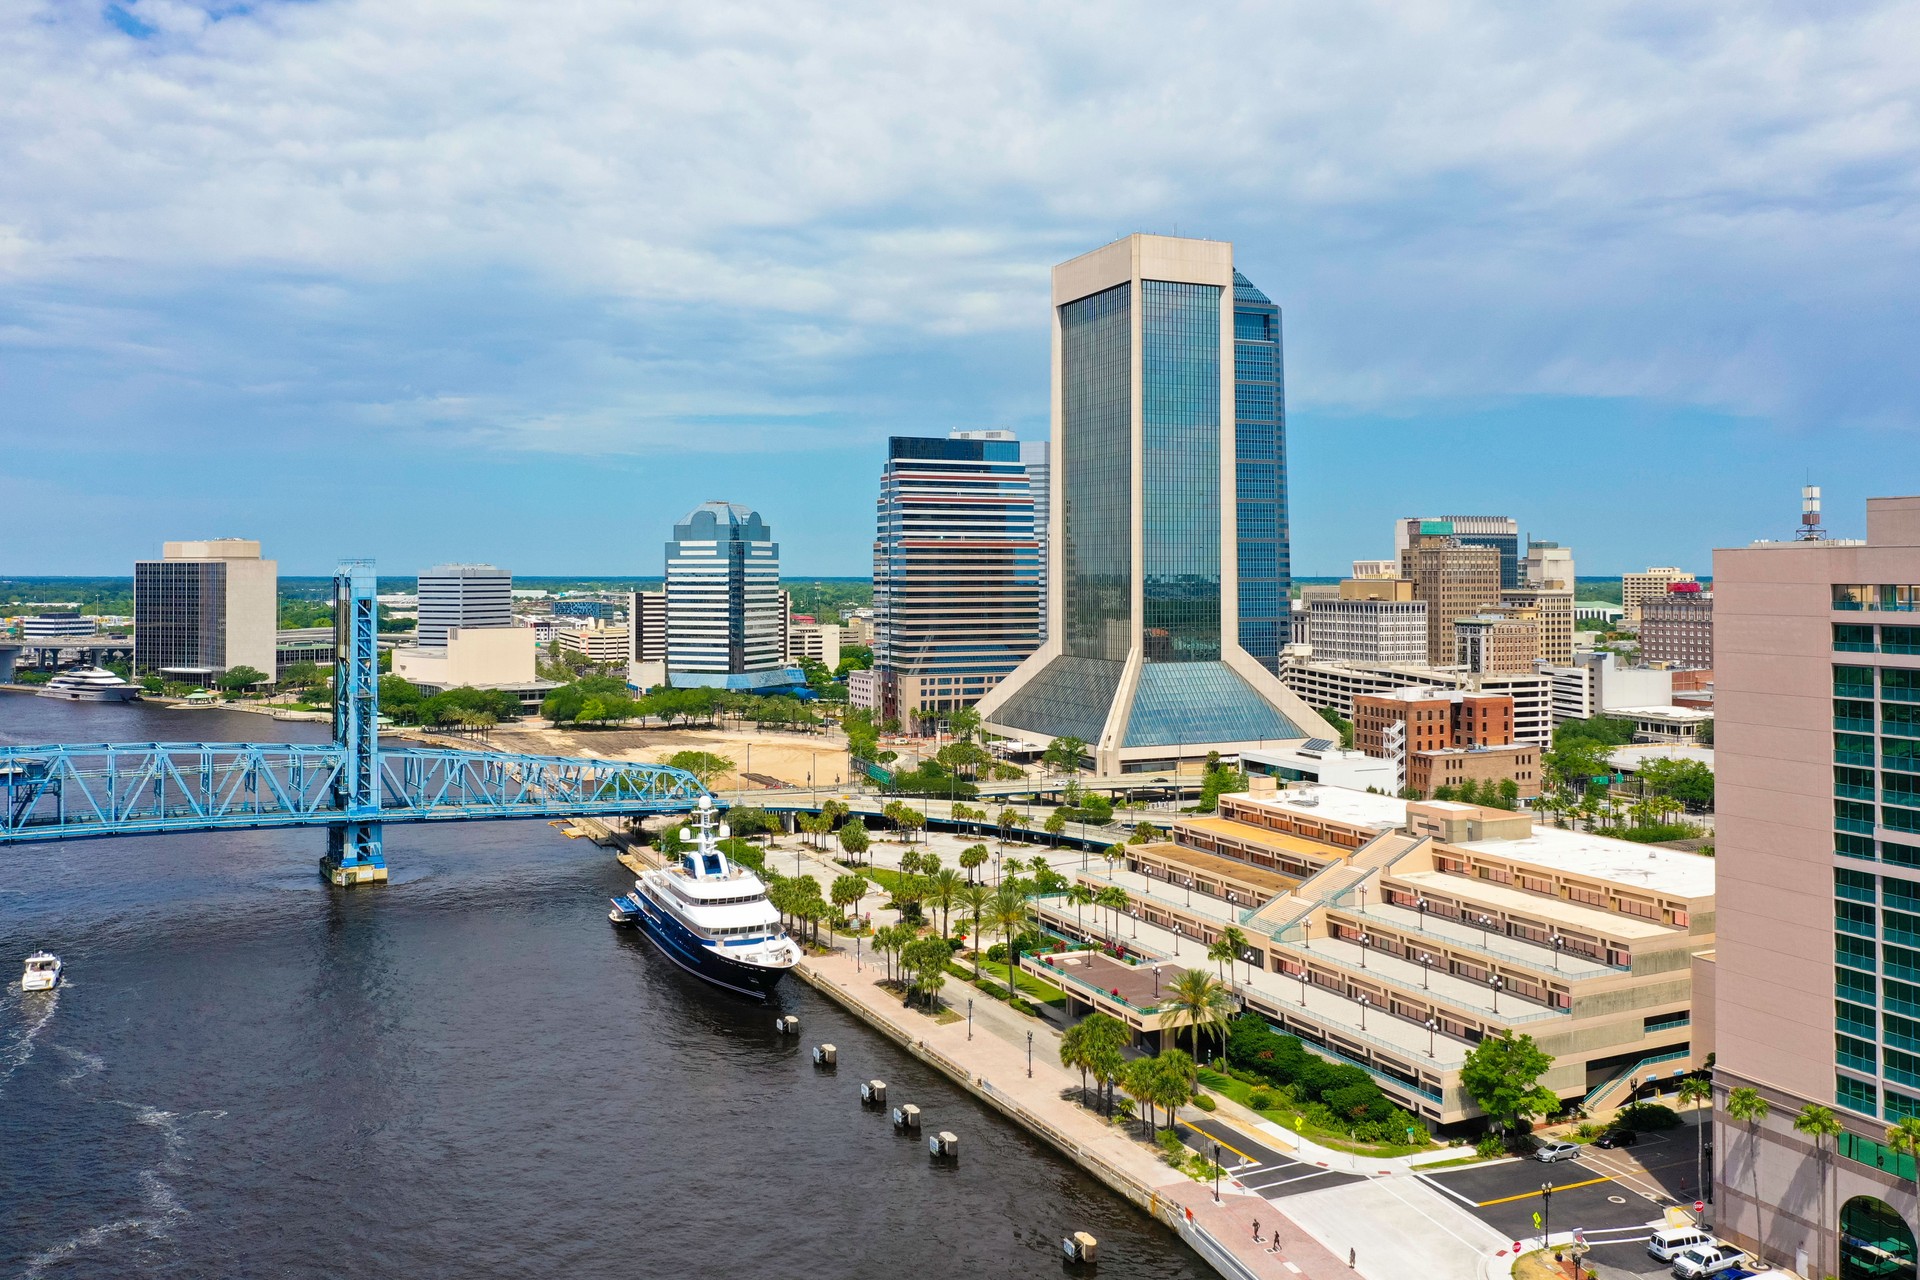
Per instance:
x=487, y=280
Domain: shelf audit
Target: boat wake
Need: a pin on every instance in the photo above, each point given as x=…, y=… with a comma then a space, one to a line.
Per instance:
x=17, y=1050
x=160, y=1209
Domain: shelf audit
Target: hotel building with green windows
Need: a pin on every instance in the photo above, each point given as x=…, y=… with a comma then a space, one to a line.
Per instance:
x=1811, y=996
x=1144, y=658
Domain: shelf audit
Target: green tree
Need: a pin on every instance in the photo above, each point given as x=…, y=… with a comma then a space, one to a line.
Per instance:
x=964, y=723
x=1010, y=918
x=1502, y=1075
x=1175, y=1074
x=1820, y=1124
x=1063, y=754
x=976, y=900
x=943, y=890
x=301, y=675
x=704, y=765
x=972, y=858
x=241, y=678
x=926, y=959
x=1199, y=1001
x=854, y=838
x=1749, y=1108
x=1904, y=1138
x=1344, y=726
x=1008, y=822
x=847, y=891
x=1097, y=809
x=1056, y=823
x=1115, y=899
x=1137, y=1081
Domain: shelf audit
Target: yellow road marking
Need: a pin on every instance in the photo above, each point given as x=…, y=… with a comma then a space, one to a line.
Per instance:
x=1228, y=1145
x=1528, y=1195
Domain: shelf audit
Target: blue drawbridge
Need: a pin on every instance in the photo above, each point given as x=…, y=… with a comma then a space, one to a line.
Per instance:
x=352, y=786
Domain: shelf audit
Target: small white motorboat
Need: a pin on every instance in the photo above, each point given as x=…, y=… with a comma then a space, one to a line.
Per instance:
x=43, y=972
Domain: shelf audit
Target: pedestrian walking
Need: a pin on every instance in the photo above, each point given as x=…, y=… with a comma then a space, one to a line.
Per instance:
x=1256, y=1228
x=1352, y=1256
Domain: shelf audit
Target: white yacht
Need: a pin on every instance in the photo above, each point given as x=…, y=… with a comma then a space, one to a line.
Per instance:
x=43, y=972
x=711, y=917
x=89, y=684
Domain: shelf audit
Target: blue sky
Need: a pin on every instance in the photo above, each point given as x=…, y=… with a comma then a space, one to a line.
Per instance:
x=434, y=279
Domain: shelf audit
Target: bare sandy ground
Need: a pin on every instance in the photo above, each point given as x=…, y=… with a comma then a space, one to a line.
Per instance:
x=786, y=756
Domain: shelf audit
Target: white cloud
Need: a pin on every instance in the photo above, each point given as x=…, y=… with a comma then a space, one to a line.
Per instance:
x=1453, y=198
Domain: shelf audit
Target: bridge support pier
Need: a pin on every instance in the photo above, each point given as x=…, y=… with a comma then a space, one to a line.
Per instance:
x=354, y=855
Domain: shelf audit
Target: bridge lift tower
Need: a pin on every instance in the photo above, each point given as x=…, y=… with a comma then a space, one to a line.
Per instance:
x=353, y=845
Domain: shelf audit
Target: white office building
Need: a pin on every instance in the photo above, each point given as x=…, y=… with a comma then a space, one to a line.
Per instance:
x=1336, y=684
x=1367, y=631
x=469, y=596
x=726, y=620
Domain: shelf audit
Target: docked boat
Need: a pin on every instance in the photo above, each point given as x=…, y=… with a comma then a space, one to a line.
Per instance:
x=43, y=972
x=710, y=917
x=88, y=684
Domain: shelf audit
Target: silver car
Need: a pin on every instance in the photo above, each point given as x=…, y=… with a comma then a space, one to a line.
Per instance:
x=1553, y=1152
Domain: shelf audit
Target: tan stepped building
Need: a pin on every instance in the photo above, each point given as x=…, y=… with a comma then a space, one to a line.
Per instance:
x=1456, y=580
x=1426, y=928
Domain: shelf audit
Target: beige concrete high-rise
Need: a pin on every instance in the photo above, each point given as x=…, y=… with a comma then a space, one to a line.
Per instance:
x=1637, y=588
x=1456, y=581
x=204, y=608
x=1815, y=983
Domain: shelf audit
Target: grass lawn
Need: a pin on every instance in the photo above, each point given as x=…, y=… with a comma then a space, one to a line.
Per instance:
x=1287, y=1118
x=1038, y=990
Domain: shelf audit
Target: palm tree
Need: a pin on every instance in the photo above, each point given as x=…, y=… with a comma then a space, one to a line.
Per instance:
x=977, y=899
x=1074, y=1046
x=1115, y=899
x=1079, y=895
x=1010, y=918
x=1222, y=954
x=1696, y=1090
x=1177, y=1073
x=1749, y=1108
x=1904, y=1139
x=1137, y=1079
x=973, y=857
x=1820, y=1124
x=1199, y=1000
x=943, y=890
x=1236, y=939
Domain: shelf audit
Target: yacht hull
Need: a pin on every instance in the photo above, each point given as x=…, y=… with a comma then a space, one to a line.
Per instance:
x=675, y=941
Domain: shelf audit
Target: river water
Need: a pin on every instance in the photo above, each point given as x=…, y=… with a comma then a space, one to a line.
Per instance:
x=467, y=1072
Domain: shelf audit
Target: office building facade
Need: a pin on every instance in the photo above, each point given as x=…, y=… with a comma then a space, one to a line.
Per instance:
x=462, y=595
x=726, y=614
x=1337, y=684
x=1637, y=588
x=1457, y=580
x=56, y=626
x=1371, y=620
x=956, y=572
x=1037, y=457
x=1816, y=973
x=647, y=625
x=1260, y=475
x=204, y=608
x=1500, y=533
x=1143, y=659
x=1677, y=628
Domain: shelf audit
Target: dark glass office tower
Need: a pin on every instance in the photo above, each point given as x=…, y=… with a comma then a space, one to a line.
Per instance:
x=1260, y=475
x=1144, y=659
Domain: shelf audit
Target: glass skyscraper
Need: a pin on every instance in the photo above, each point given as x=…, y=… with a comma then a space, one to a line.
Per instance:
x=1146, y=659
x=1260, y=475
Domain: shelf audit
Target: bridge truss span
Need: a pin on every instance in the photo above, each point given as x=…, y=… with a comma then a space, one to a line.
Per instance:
x=353, y=786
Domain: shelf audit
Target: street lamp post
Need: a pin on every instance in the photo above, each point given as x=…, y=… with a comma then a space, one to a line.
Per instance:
x=1486, y=922
x=1426, y=968
x=1303, y=986
x=969, y=1017
x=1422, y=904
x=1495, y=983
x=1216, y=1171
x=1362, y=940
x=1433, y=1025
x=1029, y=1055
x=1134, y=914
x=1559, y=945
x=1189, y=893
x=1176, y=937
x=1546, y=1213
x=1363, y=1012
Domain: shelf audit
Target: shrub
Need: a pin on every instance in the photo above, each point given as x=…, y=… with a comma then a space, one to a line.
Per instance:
x=1204, y=1102
x=1260, y=1100
x=1643, y=1116
x=1489, y=1146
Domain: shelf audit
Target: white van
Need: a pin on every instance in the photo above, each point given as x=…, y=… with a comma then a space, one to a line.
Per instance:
x=1663, y=1245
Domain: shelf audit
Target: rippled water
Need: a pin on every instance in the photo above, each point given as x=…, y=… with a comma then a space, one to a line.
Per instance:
x=249, y=1073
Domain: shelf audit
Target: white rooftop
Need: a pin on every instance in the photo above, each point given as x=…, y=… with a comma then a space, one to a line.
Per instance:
x=1342, y=804
x=1680, y=715
x=1631, y=758
x=1686, y=875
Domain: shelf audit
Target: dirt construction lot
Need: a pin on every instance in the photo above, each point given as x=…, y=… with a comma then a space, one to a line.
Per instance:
x=789, y=757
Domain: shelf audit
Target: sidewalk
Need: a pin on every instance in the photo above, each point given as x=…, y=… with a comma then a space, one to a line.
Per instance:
x=994, y=1065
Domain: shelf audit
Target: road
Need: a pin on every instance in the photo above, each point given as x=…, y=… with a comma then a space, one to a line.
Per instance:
x=1257, y=1165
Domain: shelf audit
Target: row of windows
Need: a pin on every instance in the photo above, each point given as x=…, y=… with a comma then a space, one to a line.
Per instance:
x=1896, y=683
x=1851, y=637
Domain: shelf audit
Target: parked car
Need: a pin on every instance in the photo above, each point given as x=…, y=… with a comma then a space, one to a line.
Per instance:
x=1705, y=1260
x=1551, y=1152
x=1666, y=1245
x=1616, y=1138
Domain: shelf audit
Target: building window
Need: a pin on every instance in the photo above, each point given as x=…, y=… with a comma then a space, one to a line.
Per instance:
x=1858, y=1095
x=1875, y=1241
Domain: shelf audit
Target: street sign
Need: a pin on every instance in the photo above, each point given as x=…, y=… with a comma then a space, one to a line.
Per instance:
x=1536, y=1218
x=1699, y=1206
x=1579, y=1235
